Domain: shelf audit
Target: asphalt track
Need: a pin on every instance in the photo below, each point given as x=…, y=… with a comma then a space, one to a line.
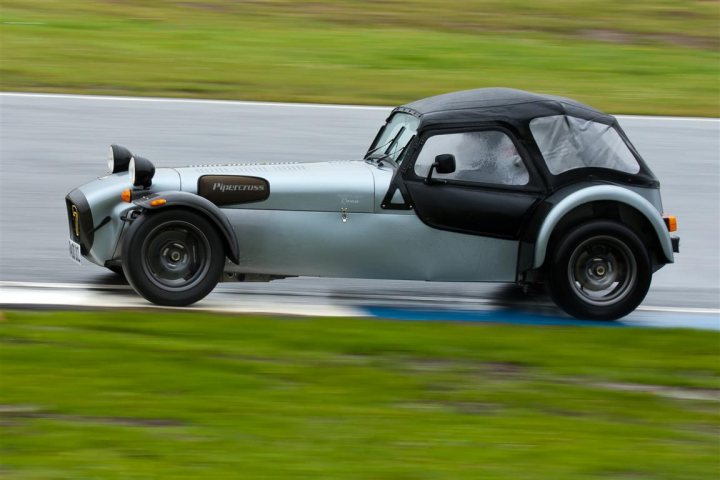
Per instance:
x=51, y=143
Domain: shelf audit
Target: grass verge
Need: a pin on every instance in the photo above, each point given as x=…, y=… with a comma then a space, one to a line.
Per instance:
x=645, y=57
x=145, y=395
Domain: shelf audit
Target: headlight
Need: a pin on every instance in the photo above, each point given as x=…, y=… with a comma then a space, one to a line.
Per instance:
x=131, y=170
x=110, y=160
x=118, y=158
x=141, y=171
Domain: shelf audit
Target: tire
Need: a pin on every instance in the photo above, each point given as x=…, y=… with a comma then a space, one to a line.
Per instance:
x=173, y=257
x=600, y=270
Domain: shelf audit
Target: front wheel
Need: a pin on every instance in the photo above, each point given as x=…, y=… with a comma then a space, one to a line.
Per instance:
x=173, y=257
x=599, y=271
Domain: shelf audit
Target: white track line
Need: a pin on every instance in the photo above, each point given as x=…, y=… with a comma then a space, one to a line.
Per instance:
x=60, y=285
x=668, y=119
x=92, y=299
x=285, y=104
x=690, y=310
x=19, y=286
x=191, y=101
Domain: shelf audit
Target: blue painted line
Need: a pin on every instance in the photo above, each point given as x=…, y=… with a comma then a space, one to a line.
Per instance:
x=482, y=316
x=636, y=319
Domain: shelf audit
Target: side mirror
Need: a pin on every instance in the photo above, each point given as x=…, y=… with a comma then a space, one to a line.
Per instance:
x=444, y=164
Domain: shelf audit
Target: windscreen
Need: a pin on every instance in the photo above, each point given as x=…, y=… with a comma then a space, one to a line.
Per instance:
x=567, y=143
x=394, y=137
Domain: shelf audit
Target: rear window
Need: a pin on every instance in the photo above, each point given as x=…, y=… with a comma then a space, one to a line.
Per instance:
x=568, y=143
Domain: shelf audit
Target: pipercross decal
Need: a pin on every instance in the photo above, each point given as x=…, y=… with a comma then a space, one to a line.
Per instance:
x=223, y=187
x=233, y=189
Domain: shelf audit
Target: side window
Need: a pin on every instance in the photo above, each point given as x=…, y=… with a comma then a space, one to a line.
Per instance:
x=567, y=143
x=487, y=156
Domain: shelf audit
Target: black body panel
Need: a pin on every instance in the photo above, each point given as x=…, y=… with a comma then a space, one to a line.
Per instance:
x=491, y=210
x=80, y=220
x=529, y=232
x=675, y=240
x=476, y=210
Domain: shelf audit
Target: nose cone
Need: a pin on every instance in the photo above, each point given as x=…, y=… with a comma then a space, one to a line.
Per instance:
x=80, y=220
x=94, y=211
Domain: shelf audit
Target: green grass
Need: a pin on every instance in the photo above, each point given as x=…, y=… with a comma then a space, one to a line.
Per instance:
x=648, y=56
x=142, y=395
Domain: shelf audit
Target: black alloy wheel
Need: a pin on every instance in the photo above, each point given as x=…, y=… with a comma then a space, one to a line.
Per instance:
x=173, y=257
x=599, y=270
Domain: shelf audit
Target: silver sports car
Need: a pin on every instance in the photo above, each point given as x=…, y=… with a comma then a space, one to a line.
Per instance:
x=493, y=185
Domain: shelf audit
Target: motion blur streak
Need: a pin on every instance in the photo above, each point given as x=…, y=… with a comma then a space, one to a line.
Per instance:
x=299, y=302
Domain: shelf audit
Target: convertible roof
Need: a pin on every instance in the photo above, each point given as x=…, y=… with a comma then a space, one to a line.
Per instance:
x=497, y=104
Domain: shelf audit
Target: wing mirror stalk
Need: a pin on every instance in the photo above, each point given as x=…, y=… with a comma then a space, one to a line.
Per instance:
x=444, y=164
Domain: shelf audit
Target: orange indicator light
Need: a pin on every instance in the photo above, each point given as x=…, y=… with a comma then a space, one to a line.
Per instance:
x=126, y=195
x=670, y=222
x=158, y=202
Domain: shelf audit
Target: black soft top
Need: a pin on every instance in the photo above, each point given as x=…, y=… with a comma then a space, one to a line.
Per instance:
x=497, y=104
x=517, y=108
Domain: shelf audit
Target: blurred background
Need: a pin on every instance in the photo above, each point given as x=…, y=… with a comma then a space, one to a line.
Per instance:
x=640, y=57
x=483, y=393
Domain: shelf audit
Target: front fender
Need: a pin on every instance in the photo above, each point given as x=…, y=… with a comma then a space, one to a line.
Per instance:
x=601, y=193
x=199, y=204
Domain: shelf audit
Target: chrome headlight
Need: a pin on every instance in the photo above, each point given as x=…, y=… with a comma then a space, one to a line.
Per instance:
x=110, y=160
x=118, y=158
x=131, y=170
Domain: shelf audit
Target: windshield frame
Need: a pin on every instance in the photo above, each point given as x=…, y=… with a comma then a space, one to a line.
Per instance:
x=403, y=128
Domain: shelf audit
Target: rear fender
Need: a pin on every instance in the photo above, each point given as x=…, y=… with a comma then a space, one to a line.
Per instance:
x=200, y=205
x=601, y=193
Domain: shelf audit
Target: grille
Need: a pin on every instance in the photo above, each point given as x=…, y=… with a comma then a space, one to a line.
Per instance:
x=81, y=230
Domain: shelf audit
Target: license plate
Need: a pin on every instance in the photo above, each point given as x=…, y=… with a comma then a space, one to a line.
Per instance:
x=75, y=251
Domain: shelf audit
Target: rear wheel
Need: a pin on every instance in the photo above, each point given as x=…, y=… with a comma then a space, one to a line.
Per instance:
x=600, y=271
x=173, y=257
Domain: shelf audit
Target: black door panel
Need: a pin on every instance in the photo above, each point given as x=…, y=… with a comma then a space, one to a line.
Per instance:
x=472, y=209
x=487, y=195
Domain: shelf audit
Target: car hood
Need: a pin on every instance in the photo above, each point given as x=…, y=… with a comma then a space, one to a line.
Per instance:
x=320, y=186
